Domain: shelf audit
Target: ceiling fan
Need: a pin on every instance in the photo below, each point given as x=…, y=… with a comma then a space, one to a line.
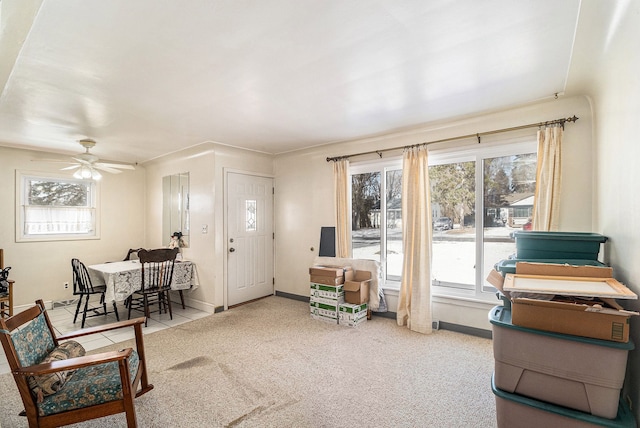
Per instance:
x=87, y=164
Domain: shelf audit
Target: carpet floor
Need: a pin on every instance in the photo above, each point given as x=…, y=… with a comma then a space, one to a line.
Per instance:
x=269, y=364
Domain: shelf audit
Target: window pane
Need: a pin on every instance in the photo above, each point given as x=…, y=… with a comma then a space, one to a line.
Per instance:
x=250, y=214
x=509, y=186
x=453, y=210
x=393, y=190
x=57, y=193
x=365, y=222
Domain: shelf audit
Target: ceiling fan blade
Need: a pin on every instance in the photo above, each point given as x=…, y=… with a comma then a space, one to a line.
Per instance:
x=106, y=168
x=52, y=160
x=68, y=168
x=82, y=161
x=114, y=165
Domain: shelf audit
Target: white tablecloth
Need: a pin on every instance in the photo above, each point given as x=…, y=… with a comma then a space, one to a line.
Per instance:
x=124, y=278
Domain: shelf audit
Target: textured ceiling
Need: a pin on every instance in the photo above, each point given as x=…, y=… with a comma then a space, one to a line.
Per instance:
x=148, y=77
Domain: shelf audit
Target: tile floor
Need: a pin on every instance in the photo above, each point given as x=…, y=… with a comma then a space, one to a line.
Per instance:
x=62, y=320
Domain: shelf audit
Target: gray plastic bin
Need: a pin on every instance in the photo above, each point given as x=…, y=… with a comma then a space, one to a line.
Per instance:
x=576, y=372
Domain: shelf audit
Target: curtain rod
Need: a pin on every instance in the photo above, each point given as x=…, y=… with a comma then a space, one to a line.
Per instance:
x=478, y=135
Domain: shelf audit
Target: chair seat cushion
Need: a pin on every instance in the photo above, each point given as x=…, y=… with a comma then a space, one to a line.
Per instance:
x=89, y=386
x=48, y=384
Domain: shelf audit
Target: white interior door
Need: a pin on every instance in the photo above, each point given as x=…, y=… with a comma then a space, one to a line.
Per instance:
x=249, y=237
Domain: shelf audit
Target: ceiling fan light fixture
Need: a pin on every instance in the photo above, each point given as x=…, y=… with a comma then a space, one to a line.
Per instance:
x=95, y=174
x=85, y=172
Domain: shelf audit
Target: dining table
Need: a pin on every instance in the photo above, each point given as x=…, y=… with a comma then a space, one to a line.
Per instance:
x=124, y=278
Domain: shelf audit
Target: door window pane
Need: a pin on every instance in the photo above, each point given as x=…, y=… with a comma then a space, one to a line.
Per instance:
x=251, y=211
x=453, y=193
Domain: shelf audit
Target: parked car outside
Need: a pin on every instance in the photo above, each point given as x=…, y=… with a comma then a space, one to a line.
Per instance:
x=527, y=225
x=443, y=223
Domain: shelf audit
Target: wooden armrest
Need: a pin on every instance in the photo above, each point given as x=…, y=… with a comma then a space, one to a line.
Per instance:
x=74, y=363
x=102, y=328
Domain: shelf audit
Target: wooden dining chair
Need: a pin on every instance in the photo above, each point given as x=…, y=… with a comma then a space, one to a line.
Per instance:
x=133, y=252
x=157, y=275
x=83, y=287
x=59, y=384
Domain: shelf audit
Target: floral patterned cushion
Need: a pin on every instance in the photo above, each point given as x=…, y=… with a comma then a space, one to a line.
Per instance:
x=33, y=342
x=89, y=386
x=48, y=384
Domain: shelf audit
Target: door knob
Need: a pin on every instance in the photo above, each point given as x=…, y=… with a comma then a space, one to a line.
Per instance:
x=231, y=250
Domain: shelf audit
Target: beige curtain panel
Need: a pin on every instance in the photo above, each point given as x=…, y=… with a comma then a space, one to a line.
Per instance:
x=414, y=303
x=343, y=213
x=546, y=204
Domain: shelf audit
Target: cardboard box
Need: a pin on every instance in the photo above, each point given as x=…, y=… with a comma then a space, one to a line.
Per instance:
x=322, y=318
x=327, y=280
x=331, y=271
x=330, y=292
x=578, y=319
x=356, y=290
x=598, y=318
x=352, y=315
x=324, y=310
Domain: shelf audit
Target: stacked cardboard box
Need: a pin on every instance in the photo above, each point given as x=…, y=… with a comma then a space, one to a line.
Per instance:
x=356, y=289
x=352, y=315
x=327, y=291
x=551, y=308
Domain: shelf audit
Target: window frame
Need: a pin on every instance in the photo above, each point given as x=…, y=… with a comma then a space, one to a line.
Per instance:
x=443, y=154
x=381, y=166
x=478, y=154
x=22, y=176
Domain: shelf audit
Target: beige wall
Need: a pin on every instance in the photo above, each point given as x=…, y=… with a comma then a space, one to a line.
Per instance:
x=41, y=268
x=304, y=193
x=206, y=165
x=615, y=91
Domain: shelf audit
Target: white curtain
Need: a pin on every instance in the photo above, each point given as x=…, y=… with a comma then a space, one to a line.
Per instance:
x=546, y=204
x=414, y=304
x=343, y=213
x=39, y=220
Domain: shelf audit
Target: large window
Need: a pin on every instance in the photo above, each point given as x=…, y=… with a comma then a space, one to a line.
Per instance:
x=376, y=221
x=55, y=208
x=496, y=181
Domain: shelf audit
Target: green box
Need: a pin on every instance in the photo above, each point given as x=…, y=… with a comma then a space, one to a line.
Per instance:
x=322, y=308
x=353, y=309
x=333, y=292
x=352, y=314
x=558, y=245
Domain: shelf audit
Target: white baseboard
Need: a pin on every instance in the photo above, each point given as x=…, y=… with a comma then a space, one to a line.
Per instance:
x=48, y=304
x=193, y=303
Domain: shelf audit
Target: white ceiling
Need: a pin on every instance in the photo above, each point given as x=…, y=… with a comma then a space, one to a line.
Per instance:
x=148, y=77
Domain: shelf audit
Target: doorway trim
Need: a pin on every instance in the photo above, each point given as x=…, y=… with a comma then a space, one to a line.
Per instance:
x=225, y=238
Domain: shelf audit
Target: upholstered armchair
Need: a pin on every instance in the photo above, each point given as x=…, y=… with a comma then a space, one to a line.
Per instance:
x=59, y=384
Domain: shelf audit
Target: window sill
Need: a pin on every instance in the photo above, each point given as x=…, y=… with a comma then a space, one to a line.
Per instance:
x=448, y=295
x=55, y=238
